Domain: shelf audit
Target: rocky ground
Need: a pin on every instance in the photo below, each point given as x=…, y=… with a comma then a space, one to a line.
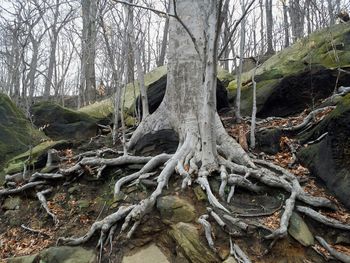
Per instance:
x=171, y=232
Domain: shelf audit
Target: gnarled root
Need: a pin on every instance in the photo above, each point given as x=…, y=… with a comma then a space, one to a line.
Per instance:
x=238, y=253
x=338, y=255
x=207, y=230
x=42, y=199
x=152, y=164
x=321, y=218
x=104, y=225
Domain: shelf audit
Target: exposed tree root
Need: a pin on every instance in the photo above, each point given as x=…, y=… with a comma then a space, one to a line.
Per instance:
x=97, y=161
x=207, y=230
x=42, y=199
x=235, y=168
x=338, y=255
x=238, y=253
x=322, y=219
x=307, y=120
x=45, y=176
x=104, y=226
x=281, y=232
x=21, y=188
x=152, y=164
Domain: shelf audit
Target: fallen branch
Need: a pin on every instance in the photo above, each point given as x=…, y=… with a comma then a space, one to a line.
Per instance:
x=34, y=231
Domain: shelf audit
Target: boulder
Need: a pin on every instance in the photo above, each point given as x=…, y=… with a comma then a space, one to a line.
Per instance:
x=297, y=76
x=62, y=254
x=103, y=110
x=329, y=159
x=163, y=141
x=156, y=92
x=17, y=134
x=148, y=254
x=268, y=140
x=33, y=158
x=175, y=209
x=12, y=203
x=230, y=260
x=187, y=238
x=300, y=231
x=62, y=123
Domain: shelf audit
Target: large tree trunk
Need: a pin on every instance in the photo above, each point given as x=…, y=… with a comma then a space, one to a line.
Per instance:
x=189, y=105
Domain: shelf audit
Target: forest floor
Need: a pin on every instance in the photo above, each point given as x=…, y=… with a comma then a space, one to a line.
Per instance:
x=79, y=202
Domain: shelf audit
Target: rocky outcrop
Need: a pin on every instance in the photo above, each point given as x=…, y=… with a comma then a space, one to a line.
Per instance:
x=187, y=238
x=62, y=254
x=103, y=110
x=329, y=159
x=33, y=158
x=148, y=254
x=300, y=231
x=156, y=92
x=17, y=134
x=63, y=123
x=298, y=76
x=175, y=209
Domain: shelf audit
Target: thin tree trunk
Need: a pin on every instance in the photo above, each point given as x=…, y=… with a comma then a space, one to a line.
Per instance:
x=285, y=24
x=269, y=27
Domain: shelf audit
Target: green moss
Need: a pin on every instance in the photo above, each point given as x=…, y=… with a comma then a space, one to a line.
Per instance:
x=63, y=123
x=224, y=76
x=343, y=108
x=99, y=110
x=30, y=157
x=16, y=132
x=315, y=52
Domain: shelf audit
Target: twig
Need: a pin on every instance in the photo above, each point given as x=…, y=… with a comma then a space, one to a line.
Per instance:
x=34, y=230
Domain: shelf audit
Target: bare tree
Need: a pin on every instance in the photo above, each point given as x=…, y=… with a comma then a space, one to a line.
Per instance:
x=88, y=46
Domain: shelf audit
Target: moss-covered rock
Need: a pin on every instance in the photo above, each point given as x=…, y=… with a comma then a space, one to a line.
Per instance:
x=187, y=238
x=175, y=209
x=103, y=110
x=330, y=158
x=298, y=75
x=34, y=158
x=299, y=230
x=17, y=134
x=62, y=123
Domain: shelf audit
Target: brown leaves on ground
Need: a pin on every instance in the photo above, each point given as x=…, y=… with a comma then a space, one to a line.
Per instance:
x=339, y=215
x=313, y=189
x=19, y=242
x=272, y=222
x=321, y=250
x=326, y=254
x=342, y=249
